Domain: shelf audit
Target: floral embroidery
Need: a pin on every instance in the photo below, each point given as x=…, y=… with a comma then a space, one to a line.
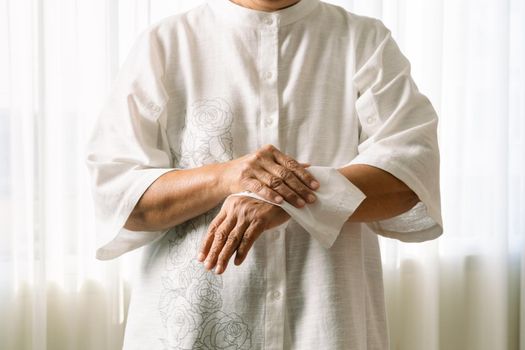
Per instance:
x=223, y=331
x=191, y=300
x=207, y=136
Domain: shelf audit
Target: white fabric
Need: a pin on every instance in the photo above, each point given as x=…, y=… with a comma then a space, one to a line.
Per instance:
x=127, y=150
x=323, y=85
x=337, y=199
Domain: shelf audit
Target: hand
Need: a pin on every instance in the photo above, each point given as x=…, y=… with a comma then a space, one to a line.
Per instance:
x=272, y=175
x=239, y=223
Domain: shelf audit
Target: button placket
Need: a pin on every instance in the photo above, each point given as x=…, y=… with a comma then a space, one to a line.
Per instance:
x=269, y=134
x=269, y=98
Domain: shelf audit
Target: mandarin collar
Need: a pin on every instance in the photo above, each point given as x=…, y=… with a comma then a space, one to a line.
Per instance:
x=237, y=14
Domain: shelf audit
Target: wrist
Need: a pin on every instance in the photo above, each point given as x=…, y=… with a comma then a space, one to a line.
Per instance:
x=221, y=179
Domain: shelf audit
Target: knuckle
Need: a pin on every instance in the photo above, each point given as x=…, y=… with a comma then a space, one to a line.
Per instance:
x=275, y=182
x=307, y=177
x=213, y=226
x=291, y=164
x=246, y=170
x=234, y=240
x=257, y=155
x=289, y=176
x=257, y=186
x=245, y=183
x=253, y=159
x=269, y=194
x=303, y=172
x=282, y=173
x=220, y=235
x=268, y=147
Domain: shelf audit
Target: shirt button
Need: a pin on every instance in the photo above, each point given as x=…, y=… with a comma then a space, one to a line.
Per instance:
x=268, y=21
x=370, y=120
x=153, y=107
x=276, y=295
x=268, y=75
x=268, y=121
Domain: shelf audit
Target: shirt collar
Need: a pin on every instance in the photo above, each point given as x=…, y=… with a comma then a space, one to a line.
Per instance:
x=238, y=14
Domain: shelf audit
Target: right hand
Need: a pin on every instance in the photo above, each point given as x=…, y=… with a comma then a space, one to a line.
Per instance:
x=273, y=175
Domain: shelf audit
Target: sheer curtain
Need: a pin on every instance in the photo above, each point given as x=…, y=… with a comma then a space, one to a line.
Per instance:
x=462, y=291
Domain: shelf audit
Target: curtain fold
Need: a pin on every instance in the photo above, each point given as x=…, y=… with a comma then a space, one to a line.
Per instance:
x=464, y=291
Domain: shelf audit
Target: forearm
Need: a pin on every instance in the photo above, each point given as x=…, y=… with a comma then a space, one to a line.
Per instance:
x=386, y=195
x=177, y=196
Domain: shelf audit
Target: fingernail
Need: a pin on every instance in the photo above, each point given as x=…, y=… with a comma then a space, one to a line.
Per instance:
x=278, y=199
x=314, y=184
x=311, y=198
x=238, y=259
x=301, y=202
x=207, y=265
x=201, y=257
x=218, y=269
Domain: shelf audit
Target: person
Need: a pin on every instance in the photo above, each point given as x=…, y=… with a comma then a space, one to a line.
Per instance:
x=254, y=150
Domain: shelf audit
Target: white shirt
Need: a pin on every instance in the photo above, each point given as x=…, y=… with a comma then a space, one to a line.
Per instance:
x=323, y=85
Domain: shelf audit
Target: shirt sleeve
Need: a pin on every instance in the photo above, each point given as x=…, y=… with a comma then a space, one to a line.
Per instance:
x=398, y=133
x=128, y=149
x=337, y=199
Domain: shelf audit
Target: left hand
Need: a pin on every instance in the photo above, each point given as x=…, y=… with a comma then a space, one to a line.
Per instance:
x=239, y=223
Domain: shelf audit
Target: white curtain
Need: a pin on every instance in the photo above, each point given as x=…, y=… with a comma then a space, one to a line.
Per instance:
x=464, y=291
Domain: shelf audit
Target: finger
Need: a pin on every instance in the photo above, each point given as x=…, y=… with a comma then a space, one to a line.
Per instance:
x=284, y=181
x=256, y=186
x=250, y=235
x=219, y=239
x=230, y=246
x=290, y=163
x=208, y=238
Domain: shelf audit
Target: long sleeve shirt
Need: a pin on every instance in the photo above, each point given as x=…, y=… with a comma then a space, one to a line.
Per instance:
x=325, y=86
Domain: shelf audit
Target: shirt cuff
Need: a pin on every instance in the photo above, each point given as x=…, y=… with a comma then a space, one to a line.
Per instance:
x=337, y=199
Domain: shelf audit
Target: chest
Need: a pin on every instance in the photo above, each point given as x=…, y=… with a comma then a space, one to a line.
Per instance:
x=233, y=91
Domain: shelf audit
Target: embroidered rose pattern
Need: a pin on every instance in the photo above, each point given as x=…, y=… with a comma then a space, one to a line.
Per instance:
x=207, y=136
x=223, y=331
x=213, y=117
x=190, y=303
